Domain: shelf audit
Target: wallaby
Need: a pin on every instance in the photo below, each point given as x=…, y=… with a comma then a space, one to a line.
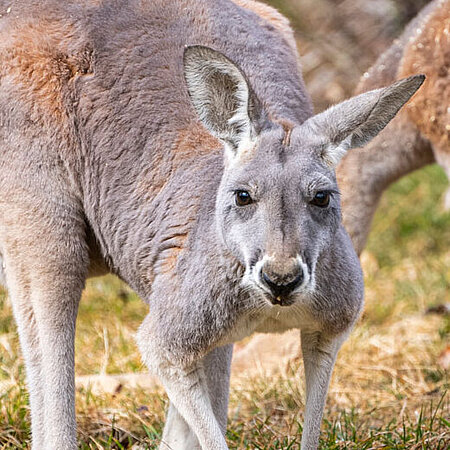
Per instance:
x=173, y=144
x=419, y=135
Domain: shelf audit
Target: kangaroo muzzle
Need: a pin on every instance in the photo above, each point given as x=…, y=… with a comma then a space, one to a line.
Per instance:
x=281, y=278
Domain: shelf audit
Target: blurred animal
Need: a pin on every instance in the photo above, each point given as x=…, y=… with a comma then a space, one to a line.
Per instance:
x=419, y=135
x=172, y=144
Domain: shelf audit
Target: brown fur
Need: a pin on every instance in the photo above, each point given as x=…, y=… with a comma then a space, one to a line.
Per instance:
x=35, y=57
x=429, y=53
x=192, y=141
x=287, y=127
x=168, y=265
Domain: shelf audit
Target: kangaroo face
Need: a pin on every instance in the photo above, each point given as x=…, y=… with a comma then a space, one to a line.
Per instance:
x=277, y=207
x=277, y=210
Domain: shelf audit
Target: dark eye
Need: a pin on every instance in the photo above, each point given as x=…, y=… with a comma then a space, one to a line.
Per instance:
x=321, y=199
x=242, y=198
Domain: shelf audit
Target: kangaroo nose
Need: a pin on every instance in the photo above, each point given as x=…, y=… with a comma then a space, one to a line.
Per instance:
x=282, y=286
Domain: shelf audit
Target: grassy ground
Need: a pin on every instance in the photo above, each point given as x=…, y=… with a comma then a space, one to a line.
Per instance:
x=389, y=387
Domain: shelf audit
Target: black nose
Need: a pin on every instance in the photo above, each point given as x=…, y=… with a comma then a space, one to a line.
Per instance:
x=281, y=287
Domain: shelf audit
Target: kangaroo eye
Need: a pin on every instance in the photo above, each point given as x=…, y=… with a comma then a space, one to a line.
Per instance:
x=242, y=198
x=321, y=199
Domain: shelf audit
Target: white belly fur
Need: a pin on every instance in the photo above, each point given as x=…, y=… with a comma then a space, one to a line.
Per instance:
x=274, y=319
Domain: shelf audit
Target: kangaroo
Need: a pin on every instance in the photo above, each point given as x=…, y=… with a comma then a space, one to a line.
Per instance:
x=173, y=144
x=418, y=136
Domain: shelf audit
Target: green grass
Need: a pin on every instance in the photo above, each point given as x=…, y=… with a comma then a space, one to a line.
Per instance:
x=410, y=222
x=388, y=391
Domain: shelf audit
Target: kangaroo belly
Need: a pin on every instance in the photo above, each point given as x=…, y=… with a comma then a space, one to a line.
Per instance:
x=281, y=318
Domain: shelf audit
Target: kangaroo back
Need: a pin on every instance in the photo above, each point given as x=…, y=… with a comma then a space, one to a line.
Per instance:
x=422, y=48
x=428, y=52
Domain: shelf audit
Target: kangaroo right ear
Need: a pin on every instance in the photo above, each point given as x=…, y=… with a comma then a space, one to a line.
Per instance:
x=222, y=98
x=354, y=122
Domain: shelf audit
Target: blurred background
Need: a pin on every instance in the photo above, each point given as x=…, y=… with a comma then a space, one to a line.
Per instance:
x=390, y=386
x=339, y=40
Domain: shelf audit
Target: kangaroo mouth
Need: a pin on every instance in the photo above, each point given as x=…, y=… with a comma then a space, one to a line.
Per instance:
x=281, y=300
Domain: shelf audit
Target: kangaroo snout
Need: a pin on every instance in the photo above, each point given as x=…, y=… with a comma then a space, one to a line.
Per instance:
x=281, y=279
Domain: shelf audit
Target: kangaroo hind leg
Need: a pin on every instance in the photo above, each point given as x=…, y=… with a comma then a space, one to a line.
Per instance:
x=46, y=261
x=29, y=342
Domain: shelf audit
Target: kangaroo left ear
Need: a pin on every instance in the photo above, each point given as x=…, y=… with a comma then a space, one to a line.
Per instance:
x=222, y=98
x=354, y=122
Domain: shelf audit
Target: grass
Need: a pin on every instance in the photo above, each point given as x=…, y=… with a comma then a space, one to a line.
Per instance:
x=389, y=389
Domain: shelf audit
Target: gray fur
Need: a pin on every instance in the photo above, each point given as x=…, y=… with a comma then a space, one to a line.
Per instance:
x=105, y=167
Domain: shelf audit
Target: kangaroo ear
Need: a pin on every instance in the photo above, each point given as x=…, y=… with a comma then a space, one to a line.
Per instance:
x=356, y=121
x=222, y=97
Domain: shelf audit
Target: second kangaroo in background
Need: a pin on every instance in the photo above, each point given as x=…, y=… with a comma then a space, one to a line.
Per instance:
x=419, y=135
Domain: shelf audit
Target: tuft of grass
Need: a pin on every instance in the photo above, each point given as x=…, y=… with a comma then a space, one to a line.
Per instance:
x=109, y=316
x=14, y=418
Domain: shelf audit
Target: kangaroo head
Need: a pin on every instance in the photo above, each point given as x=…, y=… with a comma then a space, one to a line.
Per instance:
x=277, y=207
